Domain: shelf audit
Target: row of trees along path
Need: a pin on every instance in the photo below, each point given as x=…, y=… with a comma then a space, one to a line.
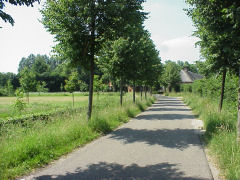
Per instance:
x=105, y=33
x=84, y=30
x=218, y=23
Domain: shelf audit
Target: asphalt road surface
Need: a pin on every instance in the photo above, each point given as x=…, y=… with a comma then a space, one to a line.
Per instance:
x=160, y=143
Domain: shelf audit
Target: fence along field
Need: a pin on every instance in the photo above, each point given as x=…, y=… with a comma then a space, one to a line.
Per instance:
x=40, y=103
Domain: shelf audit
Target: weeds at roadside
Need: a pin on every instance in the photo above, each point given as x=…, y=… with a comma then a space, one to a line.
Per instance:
x=220, y=136
x=31, y=145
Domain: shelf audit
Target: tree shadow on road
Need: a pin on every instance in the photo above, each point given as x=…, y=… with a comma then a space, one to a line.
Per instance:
x=164, y=117
x=167, y=109
x=113, y=171
x=170, y=138
x=167, y=104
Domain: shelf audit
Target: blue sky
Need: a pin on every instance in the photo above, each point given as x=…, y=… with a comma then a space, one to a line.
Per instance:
x=170, y=27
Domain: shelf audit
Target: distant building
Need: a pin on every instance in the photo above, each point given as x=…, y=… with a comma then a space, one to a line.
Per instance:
x=188, y=76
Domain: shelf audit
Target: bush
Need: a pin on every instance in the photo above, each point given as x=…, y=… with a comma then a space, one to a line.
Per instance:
x=3, y=92
x=211, y=87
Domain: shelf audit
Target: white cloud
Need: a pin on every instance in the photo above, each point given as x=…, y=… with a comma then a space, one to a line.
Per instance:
x=171, y=30
x=182, y=48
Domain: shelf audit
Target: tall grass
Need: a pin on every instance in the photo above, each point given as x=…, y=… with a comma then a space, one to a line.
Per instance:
x=220, y=136
x=33, y=144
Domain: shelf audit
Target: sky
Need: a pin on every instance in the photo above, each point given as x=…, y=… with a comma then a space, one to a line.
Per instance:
x=170, y=29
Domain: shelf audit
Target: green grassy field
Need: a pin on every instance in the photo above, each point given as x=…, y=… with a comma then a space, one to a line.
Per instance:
x=41, y=103
x=32, y=144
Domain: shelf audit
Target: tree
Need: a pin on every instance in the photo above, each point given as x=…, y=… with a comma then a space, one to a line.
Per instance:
x=219, y=34
x=72, y=84
x=41, y=87
x=113, y=61
x=38, y=63
x=98, y=85
x=171, y=75
x=81, y=26
x=130, y=60
x=27, y=81
x=190, y=67
x=10, y=87
x=6, y=17
x=149, y=67
x=218, y=24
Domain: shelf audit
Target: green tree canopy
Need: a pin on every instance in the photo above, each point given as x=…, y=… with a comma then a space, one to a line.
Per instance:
x=171, y=75
x=80, y=27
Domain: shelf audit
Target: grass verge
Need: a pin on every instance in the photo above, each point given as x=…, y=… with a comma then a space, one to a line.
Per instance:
x=36, y=143
x=220, y=136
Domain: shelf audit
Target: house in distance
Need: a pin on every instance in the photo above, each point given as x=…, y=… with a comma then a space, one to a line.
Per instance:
x=188, y=76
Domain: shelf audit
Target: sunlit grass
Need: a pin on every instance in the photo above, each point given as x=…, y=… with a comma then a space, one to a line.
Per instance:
x=30, y=145
x=220, y=135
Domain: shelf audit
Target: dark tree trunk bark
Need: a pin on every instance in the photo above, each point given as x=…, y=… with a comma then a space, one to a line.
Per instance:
x=238, y=126
x=90, y=97
x=73, y=99
x=92, y=51
x=121, y=91
x=222, y=89
x=134, y=89
x=141, y=92
x=145, y=89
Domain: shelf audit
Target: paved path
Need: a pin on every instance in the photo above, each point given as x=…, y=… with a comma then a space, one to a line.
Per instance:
x=160, y=143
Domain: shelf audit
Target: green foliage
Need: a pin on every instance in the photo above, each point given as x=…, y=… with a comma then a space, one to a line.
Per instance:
x=19, y=105
x=97, y=84
x=106, y=18
x=27, y=80
x=72, y=83
x=41, y=87
x=7, y=79
x=80, y=27
x=171, y=75
x=10, y=87
x=130, y=60
x=36, y=143
x=83, y=87
x=48, y=69
x=220, y=133
x=188, y=66
x=211, y=87
x=3, y=92
x=217, y=24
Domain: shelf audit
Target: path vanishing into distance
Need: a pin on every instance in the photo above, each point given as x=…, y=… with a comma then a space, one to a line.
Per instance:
x=160, y=143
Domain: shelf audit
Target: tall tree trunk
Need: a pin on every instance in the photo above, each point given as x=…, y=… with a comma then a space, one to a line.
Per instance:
x=169, y=88
x=121, y=91
x=90, y=96
x=92, y=51
x=238, y=128
x=141, y=92
x=222, y=89
x=145, y=89
x=73, y=99
x=134, y=89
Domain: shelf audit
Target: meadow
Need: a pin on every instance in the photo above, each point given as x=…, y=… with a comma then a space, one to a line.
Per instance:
x=31, y=144
x=41, y=103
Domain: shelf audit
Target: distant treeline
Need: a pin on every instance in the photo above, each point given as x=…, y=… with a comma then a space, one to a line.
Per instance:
x=46, y=69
